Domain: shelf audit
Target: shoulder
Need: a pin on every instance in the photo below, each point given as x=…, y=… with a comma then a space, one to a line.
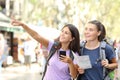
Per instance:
x=109, y=51
x=50, y=44
x=109, y=47
x=106, y=45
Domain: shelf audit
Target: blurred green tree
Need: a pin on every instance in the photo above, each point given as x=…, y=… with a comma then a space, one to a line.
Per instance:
x=54, y=13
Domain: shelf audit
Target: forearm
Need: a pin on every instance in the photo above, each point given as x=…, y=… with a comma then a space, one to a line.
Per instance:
x=32, y=32
x=35, y=35
x=73, y=70
x=29, y=30
x=112, y=66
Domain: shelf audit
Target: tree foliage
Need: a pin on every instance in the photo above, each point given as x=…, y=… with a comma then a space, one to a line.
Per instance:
x=57, y=12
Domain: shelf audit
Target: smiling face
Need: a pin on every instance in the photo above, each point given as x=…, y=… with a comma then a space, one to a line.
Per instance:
x=91, y=32
x=65, y=35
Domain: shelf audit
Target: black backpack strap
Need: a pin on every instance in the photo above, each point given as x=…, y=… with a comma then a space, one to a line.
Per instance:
x=52, y=51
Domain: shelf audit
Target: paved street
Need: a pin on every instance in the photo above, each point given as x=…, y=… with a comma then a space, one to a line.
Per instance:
x=19, y=72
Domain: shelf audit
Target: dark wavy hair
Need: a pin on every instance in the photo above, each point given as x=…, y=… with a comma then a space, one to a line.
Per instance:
x=100, y=27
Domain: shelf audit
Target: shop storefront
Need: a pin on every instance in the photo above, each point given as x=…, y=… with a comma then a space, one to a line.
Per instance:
x=9, y=33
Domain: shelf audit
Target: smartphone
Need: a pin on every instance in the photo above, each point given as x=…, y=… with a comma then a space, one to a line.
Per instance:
x=62, y=53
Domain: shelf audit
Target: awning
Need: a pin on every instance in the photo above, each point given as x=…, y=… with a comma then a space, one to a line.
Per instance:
x=4, y=18
x=10, y=29
x=7, y=27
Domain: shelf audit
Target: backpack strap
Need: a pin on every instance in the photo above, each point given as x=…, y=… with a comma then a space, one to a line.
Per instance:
x=102, y=50
x=52, y=51
x=82, y=45
x=71, y=55
x=103, y=55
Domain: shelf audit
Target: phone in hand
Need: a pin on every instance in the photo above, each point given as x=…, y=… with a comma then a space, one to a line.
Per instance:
x=62, y=53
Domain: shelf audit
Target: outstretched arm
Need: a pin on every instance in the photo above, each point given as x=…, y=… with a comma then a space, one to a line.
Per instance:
x=33, y=33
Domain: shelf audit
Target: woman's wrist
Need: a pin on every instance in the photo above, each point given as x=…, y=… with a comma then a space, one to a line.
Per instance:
x=70, y=63
x=108, y=66
x=22, y=24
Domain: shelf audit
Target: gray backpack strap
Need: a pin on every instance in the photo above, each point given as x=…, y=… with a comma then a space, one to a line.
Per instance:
x=82, y=45
x=71, y=55
x=103, y=55
x=102, y=50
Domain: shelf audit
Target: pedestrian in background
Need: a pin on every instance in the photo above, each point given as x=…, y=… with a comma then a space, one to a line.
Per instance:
x=59, y=67
x=2, y=41
x=29, y=51
x=4, y=50
x=95, y=33
x=42, y=54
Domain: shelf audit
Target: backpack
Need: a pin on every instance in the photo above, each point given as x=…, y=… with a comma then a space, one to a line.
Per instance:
x=52, y=51
x=107, y=73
